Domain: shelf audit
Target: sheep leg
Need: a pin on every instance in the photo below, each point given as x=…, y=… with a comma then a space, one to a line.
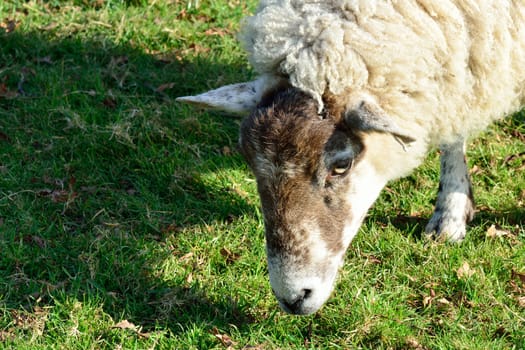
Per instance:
x=455, y=201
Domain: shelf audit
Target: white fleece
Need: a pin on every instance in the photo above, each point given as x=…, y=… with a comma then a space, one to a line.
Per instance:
x=443, y=68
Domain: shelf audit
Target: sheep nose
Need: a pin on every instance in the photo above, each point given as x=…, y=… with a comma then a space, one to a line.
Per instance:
x=295, y=306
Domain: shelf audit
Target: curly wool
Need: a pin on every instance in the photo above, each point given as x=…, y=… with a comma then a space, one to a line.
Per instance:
x=446, y=68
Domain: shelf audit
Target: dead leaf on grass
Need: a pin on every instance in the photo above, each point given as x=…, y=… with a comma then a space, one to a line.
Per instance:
x=34, y=321
x=460, y=298
x=372, y=259
x=50, y=26
x=493, y=232
x=48, y=180
x=170, y=228
x=236, y=189
x=516, y=288
x=229, y=255
x=186, y=256
x=35, y=240
x=6, y=93
x=58, y=196
x=521, y=301
x=465, y=271
x=475, y=170
x=518, y=275
x=47, y=288
x=253, y=347
x=517, y=134
x=442, y=303
x=9, y=25
x=163, y=87
x=412, y=343
x=509, y=159
x=217, y=32
x=427, y=301
x=61, y=196
x=125, y=324
x=223, y=338
x=61, y=193
x=501, y=332
x=110, y=103
x=7, y=335
x=194, y=49
x=182, y=14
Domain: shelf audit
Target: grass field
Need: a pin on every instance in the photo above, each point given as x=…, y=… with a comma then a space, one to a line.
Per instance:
x=128, y=221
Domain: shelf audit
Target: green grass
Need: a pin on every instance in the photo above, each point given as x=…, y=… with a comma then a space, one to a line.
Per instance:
x=116, y=203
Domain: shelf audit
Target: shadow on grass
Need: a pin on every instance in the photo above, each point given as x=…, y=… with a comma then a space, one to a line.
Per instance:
x=100, y=169
x=513, y=216
x=414, y=226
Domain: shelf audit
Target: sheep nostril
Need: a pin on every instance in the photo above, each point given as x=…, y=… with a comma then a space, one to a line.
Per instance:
x=307, y=293
x=295, y=306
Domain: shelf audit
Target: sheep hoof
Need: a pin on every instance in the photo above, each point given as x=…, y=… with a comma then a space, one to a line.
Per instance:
x=452, y=212
x=441, y=228
x=450, y=225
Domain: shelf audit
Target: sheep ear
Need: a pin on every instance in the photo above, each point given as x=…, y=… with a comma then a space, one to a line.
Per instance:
x=239, y=98
x=369, y=116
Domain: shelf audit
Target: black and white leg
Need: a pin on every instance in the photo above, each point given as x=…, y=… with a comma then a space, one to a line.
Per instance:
x=455, y=202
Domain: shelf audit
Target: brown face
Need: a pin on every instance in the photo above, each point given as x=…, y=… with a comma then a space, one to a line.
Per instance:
x=302, y=162
x=317, y=174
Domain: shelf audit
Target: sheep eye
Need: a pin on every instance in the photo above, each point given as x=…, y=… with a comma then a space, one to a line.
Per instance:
x=341, y=166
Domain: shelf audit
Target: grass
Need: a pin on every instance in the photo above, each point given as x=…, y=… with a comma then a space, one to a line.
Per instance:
x=128, y=221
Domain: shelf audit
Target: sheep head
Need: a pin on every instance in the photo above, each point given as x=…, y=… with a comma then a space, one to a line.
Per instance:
x=317, y=176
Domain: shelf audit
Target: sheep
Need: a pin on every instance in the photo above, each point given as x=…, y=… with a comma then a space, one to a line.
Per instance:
x=352, y=94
